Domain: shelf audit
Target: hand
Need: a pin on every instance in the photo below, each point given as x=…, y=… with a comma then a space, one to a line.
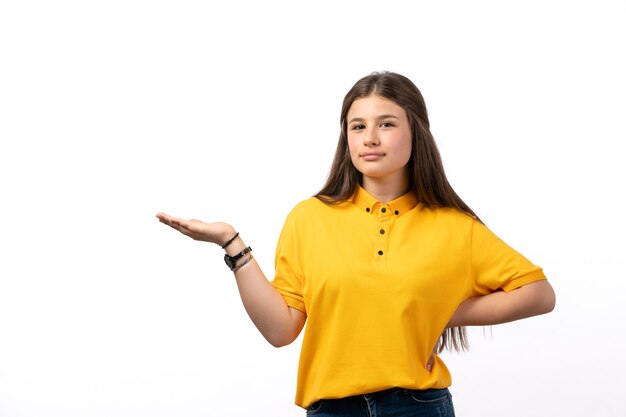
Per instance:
x=218, y=233
x=502, y=307
x=431, y=359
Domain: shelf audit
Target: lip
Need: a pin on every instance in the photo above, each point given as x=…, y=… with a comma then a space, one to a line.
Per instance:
x=372, y=156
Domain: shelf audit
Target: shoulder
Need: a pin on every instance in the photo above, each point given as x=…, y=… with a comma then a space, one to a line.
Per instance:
x=310, y=204
x=315, y=207
x=312, y=213
x=463, y=224
x=448, y=215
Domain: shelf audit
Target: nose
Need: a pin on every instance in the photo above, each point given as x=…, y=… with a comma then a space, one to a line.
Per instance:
x=371, y=138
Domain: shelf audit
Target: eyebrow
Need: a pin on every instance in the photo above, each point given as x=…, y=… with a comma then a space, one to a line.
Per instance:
x=383, y=116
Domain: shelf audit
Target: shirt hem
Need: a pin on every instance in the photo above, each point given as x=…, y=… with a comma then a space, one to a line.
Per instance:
x=524, y=280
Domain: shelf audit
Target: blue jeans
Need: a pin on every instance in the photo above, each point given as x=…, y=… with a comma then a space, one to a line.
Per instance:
x=395, y=402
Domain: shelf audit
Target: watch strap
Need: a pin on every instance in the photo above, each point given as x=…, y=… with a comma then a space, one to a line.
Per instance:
x=232, y=260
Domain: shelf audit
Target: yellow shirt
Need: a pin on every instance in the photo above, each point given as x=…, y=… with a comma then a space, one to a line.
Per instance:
x=378, y=283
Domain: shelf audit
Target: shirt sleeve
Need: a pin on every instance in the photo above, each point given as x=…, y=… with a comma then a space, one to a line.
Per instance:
x=288, y=276
x=497, y=266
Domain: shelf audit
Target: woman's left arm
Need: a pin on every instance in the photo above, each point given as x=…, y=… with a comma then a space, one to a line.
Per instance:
x=501, y=307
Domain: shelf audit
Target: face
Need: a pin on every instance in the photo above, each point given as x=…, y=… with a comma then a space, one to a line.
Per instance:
x=379, y=139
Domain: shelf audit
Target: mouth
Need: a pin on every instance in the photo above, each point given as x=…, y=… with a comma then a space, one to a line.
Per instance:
x=372, y=156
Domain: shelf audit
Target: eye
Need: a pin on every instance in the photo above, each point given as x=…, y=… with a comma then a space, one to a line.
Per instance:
x=386, y=124
x=358, y=127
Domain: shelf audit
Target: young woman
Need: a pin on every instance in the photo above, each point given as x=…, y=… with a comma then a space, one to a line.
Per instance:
x=386, y=264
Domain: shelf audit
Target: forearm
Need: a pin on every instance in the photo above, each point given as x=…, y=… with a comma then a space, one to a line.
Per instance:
x=278, y=323
x=502, y=307
x=265, y=306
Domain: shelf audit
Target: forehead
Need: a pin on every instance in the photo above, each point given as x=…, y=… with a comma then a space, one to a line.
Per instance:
x=374, y=105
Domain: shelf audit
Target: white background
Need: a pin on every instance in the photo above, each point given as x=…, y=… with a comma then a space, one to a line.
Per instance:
x=113, y=111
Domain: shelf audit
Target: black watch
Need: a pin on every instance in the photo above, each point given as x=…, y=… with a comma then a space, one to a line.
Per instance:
x=231, y=261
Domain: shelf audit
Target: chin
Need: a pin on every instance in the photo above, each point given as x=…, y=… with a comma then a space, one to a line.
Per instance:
x=374, y=174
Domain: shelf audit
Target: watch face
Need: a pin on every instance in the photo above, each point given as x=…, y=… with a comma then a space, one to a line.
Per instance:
x=229, y=262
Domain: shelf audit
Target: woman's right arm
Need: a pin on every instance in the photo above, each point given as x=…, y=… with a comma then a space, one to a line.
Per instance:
x=277, y=322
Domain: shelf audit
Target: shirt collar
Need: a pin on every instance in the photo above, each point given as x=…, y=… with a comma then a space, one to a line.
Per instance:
x=368, y=203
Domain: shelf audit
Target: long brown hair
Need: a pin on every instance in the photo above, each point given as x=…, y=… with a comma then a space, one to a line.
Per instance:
x=427, y=178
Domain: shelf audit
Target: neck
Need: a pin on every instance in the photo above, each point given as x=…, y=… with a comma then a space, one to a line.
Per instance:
x=385, y=189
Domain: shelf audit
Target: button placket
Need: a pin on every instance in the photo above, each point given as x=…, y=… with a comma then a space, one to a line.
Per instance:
x=384, y=219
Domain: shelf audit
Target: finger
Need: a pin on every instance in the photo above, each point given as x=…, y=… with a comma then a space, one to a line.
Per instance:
x=164, y=221
x=194, y=224
x=187, y=231
x=186, y=227
x=429, y=364
x=165, y=216
x=181, y=228
x=162, y=216
x=168, y=223
x=172, y=220
x=172, y=225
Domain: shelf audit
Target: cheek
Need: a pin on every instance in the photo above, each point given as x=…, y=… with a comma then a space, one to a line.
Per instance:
x=352, y=147
x=408, y=149
x=403, y=149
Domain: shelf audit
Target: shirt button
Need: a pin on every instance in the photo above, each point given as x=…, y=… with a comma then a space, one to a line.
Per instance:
x=382, y=231
x=396, y=212
x=367, y=209
x=380, y=252
x=384, y=210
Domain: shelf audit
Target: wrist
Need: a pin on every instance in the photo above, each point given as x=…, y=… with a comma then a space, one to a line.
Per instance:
x=233, y=261
x=226, y=234
x=231, y=240
x=234, y=247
